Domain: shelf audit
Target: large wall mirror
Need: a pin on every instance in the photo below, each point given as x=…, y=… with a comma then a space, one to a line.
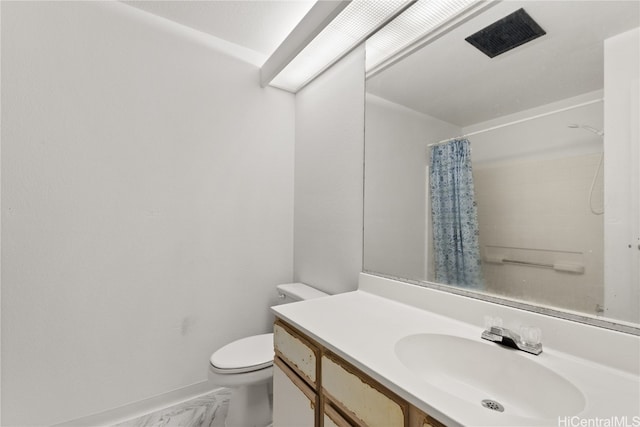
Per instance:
x=510, y=177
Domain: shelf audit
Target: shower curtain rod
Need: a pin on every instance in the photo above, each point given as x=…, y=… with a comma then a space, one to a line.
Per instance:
x=526, y=119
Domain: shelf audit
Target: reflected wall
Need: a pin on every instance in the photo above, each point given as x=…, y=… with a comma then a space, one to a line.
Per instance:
x=542, y=158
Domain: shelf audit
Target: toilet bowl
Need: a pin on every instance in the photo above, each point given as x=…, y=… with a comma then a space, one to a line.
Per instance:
x=246, y=366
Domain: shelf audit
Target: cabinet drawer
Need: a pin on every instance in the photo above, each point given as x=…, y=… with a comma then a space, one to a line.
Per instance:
x=369, y=403
x=298, y=352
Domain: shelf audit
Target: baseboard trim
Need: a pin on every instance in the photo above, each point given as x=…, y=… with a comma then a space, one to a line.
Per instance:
x=141, y=407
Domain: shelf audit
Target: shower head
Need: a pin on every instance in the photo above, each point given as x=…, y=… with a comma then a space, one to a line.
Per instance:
x=586, y=127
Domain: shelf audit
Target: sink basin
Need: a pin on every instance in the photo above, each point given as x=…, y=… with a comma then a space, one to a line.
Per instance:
x=476, y=371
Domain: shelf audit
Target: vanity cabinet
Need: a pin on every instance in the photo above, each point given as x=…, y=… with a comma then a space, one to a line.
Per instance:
x=294, y=404
x=417, y=418
x=295, y=373
x=332, y=418
x=359, y=396
x=297, y=351
x=315, y=380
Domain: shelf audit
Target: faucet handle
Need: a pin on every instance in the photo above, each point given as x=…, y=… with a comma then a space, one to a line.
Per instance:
x=492, y=322
x=530, y=335
x=492, y=329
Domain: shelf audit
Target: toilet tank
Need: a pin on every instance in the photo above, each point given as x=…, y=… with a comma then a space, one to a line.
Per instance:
x=292, y=292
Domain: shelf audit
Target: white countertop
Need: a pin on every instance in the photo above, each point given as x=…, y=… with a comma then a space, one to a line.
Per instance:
x=363, y=328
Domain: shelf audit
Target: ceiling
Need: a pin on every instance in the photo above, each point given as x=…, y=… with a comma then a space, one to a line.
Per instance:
x=566, y=62
x=257, y=25
x=451, y=80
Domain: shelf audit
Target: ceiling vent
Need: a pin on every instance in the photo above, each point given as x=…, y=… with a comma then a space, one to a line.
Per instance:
x=509, y=32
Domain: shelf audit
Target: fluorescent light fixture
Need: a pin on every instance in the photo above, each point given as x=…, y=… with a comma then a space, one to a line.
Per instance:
x=413, y=26
x=333, y=28
x=347, y=30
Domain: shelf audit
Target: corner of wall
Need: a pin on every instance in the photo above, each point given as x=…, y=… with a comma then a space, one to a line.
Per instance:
x=328, y=196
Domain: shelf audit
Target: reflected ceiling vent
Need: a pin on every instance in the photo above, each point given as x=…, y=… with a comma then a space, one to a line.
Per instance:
x=509, y=32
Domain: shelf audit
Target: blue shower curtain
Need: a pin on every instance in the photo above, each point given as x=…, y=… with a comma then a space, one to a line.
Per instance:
x=454, y=215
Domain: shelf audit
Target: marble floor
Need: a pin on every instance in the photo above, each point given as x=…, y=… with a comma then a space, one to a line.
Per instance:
x=209, y=410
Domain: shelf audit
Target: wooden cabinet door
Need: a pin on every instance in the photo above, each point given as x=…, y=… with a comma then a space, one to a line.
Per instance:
x=294, y=402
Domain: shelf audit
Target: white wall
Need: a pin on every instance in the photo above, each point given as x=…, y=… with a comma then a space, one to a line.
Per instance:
x=622, y=182
x=328, y=177
x=547, y=136
x=147, y=207
x=396, y=158
x=538, y=211
x=532, y=182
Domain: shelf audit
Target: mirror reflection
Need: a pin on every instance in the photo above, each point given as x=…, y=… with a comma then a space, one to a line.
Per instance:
x=489, y=173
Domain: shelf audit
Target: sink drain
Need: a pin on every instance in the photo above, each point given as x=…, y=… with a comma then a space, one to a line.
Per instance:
x=493, y=405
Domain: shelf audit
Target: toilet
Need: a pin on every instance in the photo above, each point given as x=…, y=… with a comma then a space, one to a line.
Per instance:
x=246, y=366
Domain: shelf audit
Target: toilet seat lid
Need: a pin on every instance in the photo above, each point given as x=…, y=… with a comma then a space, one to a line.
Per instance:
x=245, y=355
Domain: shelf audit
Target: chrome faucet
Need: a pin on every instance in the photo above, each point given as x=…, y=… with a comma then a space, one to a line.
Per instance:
x=509, y=338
